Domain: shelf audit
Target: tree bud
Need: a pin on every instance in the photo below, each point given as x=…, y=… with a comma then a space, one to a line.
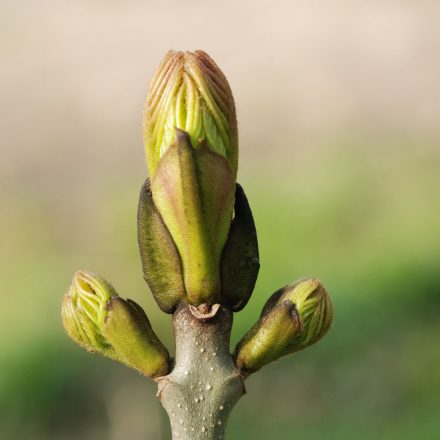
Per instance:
x=190, y=92
x=293, y=318
x=97, y=319
x=314, y=308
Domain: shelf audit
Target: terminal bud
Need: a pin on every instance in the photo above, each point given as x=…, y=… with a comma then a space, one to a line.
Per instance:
x=190, y=92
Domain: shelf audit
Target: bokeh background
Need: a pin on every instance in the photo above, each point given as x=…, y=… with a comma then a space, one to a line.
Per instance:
x=338, y=105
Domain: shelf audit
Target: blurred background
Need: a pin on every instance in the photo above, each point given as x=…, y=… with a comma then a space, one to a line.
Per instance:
x=338, y=106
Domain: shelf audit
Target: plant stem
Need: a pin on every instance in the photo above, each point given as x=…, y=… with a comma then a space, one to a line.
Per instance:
x=204, y=384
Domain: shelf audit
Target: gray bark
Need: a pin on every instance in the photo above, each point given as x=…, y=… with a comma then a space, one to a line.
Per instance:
x=204, y=384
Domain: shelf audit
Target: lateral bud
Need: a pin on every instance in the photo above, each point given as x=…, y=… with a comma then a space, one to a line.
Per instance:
x=98, y=320
x=293, y=318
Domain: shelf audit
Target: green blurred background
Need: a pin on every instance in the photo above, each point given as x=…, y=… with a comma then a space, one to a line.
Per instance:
x=338, y=106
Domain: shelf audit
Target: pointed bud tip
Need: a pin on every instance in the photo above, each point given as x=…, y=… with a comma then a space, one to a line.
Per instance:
x=183, y=140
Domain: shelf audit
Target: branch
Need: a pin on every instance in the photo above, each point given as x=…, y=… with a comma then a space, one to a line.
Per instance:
x=204, y=384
